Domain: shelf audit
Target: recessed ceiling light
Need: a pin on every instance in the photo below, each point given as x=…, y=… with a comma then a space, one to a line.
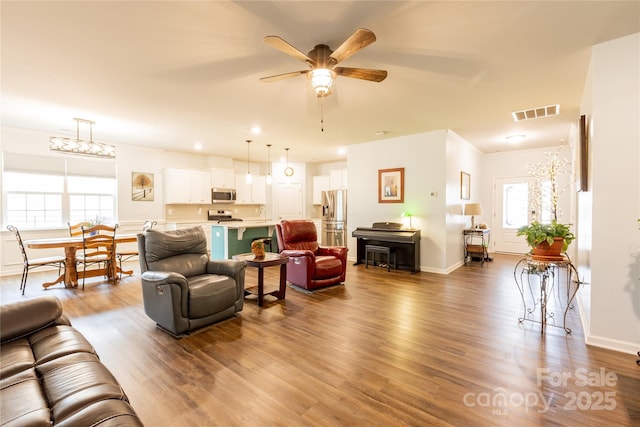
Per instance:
x=197, y=146
x=514, y=139
x=256, y=130
x=381, y=132
x=342, y=151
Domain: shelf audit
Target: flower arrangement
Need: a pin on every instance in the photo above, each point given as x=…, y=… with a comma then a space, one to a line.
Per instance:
x=95, y=221
x=547, y=186
x=545, y=195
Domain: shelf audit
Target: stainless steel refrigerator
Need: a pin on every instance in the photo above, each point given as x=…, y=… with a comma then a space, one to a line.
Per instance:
x=334, y=218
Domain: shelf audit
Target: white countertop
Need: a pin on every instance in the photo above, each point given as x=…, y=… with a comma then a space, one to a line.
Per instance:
x=241, y=226
x=245, y=223
x=232, y=224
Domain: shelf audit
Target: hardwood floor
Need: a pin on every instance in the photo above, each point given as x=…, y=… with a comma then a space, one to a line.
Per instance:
x=386, y=349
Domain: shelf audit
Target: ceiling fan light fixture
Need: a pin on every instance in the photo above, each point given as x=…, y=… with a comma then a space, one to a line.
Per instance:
x=322, y=80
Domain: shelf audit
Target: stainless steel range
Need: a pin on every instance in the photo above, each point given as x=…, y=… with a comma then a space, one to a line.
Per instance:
x=221, y=215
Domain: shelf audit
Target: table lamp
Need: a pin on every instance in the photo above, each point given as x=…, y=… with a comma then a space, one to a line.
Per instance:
x=473, y=209
x=408, y=214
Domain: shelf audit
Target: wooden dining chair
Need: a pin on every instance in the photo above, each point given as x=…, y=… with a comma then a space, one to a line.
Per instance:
x=76, y=229
x=98, y=245
x=126, y=255
x=29, y=264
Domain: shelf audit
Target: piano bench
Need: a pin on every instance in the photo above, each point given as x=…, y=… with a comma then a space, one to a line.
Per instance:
x=380, y=250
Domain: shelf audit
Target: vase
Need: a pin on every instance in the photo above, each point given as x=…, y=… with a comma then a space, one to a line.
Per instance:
x=545, y=250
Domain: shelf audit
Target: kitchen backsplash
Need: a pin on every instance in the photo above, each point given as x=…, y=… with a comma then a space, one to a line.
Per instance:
x=199, y=212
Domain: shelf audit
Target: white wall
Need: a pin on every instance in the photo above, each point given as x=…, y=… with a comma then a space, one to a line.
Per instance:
x=432, y=163
x=615, y=195
x=461, y=156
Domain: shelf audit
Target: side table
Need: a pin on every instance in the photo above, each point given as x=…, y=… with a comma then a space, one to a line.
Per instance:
x=270, y=259
x=546, y=272
x=476, y=244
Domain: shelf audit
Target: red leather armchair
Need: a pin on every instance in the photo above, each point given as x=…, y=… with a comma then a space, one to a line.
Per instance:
x=310, y=266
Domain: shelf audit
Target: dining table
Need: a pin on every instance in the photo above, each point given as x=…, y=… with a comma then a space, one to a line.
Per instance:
x=70, y=245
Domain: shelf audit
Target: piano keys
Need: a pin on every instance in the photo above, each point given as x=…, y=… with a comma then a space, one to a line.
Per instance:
x=406, y=243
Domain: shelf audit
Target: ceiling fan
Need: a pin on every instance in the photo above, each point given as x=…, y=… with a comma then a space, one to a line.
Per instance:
x=322, y=61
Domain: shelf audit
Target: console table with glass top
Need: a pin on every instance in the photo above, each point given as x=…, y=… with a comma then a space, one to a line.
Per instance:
x=539, y=282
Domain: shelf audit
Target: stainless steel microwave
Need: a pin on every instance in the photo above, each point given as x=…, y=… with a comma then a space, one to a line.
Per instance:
x=223, y=195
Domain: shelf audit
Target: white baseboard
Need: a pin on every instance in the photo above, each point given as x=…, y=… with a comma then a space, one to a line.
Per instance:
x=621, y=346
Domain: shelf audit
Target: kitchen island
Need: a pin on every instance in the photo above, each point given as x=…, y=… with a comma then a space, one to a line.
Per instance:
x=234, y=237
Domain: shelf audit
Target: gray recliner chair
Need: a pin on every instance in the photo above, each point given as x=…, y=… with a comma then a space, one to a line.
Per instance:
x=182, y=288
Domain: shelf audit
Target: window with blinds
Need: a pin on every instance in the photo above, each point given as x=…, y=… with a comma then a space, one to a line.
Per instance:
x=48, y=192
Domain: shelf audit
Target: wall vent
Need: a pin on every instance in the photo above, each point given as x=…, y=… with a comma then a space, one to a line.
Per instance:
x=536, y=113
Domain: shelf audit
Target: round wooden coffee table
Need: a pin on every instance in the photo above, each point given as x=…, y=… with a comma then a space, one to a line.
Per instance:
x=270, y=259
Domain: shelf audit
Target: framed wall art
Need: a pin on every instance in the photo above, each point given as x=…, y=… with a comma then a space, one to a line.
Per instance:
x=465, y=186
x=391, y=185
x=142, y=187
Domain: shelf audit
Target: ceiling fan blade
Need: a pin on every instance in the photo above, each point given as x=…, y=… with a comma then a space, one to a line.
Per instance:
x=283, y=76
x=360, y=39
x=285, y=47
x=361, y=73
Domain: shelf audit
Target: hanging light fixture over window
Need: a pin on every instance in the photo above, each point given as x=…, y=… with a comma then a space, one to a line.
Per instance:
x=81, y=146
x=288, y=170
x=249, y=178
x=269, y=177
x=322, y=80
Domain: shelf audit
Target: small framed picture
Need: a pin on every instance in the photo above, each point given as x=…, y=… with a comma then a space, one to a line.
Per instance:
x=142, y=187
x=465, y=186
x=391, y=185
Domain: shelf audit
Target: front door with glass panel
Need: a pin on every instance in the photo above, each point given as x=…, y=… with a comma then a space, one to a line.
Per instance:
x=512, y=211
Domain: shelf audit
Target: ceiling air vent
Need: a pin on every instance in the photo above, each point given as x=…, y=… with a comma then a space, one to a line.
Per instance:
x=536, y=113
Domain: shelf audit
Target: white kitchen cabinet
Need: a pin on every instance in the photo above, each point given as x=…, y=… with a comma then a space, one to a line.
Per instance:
x=175, y=182
x=184, y=186
x=243, y=190
x=200, y=187
x=338, y=179
x=259, y=190
x=320, y=183
x=251, y=194
x=223, y=178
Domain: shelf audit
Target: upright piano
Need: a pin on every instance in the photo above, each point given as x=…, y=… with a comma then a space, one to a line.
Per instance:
x=405, y=241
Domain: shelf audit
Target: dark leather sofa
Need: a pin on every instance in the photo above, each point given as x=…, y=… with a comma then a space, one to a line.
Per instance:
x=51, y=375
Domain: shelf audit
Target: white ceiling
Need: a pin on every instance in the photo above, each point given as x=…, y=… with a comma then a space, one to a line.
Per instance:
x=170, y=74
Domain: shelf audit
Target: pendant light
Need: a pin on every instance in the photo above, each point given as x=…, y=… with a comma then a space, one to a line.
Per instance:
x=82, y=146
x=249, y=178
x=288, y=171
x=269, y=177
